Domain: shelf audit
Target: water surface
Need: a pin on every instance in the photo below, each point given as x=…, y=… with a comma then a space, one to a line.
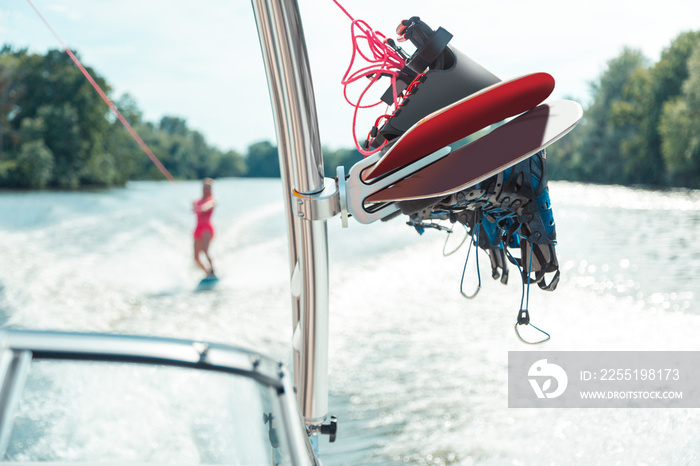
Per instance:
x=418, y=374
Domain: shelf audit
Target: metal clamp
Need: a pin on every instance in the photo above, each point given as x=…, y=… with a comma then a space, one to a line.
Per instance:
x=321, y=206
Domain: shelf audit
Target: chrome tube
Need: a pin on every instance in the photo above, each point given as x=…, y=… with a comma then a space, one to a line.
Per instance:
x=268, y=33
x=301, y=164
x=13, y=374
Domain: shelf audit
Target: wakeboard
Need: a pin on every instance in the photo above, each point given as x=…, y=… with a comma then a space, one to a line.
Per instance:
x=207, y=283
x=501, y=148
x=463, y=118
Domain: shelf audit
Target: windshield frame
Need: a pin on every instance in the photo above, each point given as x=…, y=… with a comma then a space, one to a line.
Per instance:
x=18, y=348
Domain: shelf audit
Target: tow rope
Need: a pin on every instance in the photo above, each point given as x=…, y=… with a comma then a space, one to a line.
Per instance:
x=107, y=100
x=383, y=58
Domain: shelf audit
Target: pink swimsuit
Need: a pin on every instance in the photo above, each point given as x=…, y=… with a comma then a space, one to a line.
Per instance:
x=203, y=219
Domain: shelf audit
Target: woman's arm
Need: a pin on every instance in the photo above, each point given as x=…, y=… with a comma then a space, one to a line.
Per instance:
x=207, y=206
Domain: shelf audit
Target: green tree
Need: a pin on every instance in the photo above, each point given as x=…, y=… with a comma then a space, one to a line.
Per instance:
x=46, y=100
x=129, y=161
x=62, y=136
x=174, y=125
x=627, y=117
x=32, y=129
x=34, y=166
x=9, y=92
x=230, y=163
x=263, y=160
x=565, y=158
x=157, y=141
x=663, y=84
x=100, y=170
x=679, y=128
x=640, y=127
x=332, y=159
x=603, y=136
x=52, y=89
x=203, y=158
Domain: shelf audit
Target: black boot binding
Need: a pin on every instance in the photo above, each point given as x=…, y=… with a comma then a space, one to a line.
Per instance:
x=509, y=211
x=435, y=76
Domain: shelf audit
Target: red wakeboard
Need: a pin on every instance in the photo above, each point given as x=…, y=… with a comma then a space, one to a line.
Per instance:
x=464, y=117
x=501, y=148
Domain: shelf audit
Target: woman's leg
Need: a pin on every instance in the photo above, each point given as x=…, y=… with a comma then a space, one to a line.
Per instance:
x=206, y=240
x=198, y=248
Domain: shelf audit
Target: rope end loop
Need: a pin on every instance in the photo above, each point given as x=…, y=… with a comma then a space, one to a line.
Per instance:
x=546, y=337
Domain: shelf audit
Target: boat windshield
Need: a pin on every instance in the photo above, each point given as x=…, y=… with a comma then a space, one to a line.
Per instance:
x=76, y=411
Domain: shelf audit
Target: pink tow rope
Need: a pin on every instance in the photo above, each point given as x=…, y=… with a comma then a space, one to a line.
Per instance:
x=382, y=60
x=109, y=103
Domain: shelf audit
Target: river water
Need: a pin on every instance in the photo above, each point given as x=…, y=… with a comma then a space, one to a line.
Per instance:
x=418, y=374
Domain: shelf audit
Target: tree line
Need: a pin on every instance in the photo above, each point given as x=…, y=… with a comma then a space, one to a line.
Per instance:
x=56, y=132
x=642, y=126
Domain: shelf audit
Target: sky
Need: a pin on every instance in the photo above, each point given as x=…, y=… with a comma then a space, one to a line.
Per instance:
x=201, y=61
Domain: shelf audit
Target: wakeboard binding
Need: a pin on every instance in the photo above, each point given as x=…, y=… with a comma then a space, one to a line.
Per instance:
x=510, y=211
x=434, y=76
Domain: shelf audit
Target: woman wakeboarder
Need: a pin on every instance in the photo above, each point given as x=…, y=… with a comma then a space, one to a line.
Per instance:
x=204, y=231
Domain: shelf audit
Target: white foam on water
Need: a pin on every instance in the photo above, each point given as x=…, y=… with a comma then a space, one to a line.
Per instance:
x=418, y=374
